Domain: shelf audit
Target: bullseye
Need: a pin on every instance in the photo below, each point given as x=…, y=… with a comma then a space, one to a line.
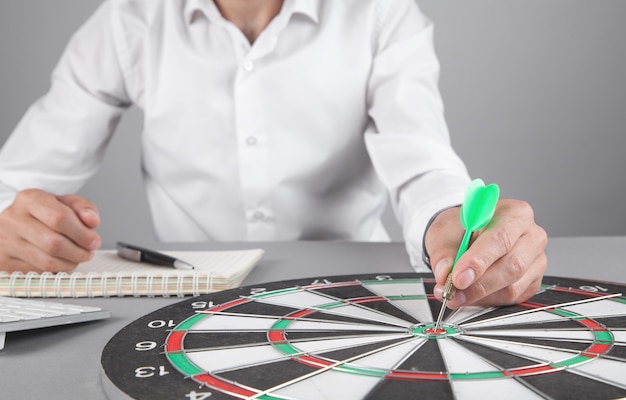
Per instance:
x=428, y=331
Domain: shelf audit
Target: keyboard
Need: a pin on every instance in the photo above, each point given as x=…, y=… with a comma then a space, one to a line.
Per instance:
x=18, y=314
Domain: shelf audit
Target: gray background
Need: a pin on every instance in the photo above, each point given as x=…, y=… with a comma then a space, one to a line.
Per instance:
x=534, y=91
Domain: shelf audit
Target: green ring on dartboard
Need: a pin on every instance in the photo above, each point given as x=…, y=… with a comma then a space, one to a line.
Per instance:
x=369, y=336
x=427, y=330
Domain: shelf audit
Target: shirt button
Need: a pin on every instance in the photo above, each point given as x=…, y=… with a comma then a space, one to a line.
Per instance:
x=251, y=141
x=258, y=215
x=248, y=66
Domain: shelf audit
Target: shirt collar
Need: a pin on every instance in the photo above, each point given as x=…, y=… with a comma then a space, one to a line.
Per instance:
x=308, y=8
x=194, y=7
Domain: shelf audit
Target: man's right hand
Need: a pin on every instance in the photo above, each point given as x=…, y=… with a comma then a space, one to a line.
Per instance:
x=43, y=232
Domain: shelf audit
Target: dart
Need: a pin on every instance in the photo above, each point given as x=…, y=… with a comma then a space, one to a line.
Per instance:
x=477, y=210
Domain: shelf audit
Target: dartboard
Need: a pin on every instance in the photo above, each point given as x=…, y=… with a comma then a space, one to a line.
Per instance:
x=373, y=336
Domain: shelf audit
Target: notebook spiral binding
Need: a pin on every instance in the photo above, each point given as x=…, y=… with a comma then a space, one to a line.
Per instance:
x=76, y=284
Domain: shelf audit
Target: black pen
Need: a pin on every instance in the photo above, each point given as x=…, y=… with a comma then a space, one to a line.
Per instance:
x=140, y=254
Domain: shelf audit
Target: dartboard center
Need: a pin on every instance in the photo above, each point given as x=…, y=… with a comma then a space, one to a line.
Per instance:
x=428, y=330
x=435, y=331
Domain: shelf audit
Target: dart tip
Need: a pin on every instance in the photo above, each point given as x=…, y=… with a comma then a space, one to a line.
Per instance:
x=443, y=308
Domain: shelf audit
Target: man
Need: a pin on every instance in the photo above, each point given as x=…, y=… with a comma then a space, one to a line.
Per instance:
x=263, y=120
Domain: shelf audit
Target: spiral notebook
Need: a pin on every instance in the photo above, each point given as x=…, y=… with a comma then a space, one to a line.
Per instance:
x=109, y=275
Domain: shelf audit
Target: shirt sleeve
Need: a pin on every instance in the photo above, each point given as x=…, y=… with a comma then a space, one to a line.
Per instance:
x=59, y=142
x=408, y=139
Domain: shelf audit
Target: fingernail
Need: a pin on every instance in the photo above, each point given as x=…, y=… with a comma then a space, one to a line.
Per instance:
x=95, y=245
x=90, y=217
x=465, y=279
x=441, y=268
x=92, y=212
x=438, y=292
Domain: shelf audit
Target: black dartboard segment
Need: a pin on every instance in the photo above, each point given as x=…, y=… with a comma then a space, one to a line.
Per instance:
x=371, y=336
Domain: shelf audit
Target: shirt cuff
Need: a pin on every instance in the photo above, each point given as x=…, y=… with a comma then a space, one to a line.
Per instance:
x=425, y=255
x=415, y=230
x=7, y=196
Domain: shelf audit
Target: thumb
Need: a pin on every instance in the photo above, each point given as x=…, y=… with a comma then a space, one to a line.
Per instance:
x=84, y=209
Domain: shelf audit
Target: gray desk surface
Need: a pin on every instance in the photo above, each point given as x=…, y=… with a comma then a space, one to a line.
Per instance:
x=64, y=362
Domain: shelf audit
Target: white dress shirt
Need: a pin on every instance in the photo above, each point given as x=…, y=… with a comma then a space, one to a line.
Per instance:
x=295, y=137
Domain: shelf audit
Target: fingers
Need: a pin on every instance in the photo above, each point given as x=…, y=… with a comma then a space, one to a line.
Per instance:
x=503, y=265
x=43, y=232
x=65, y=229
x=86, y=211
x=517, y=292
x=513, y=278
